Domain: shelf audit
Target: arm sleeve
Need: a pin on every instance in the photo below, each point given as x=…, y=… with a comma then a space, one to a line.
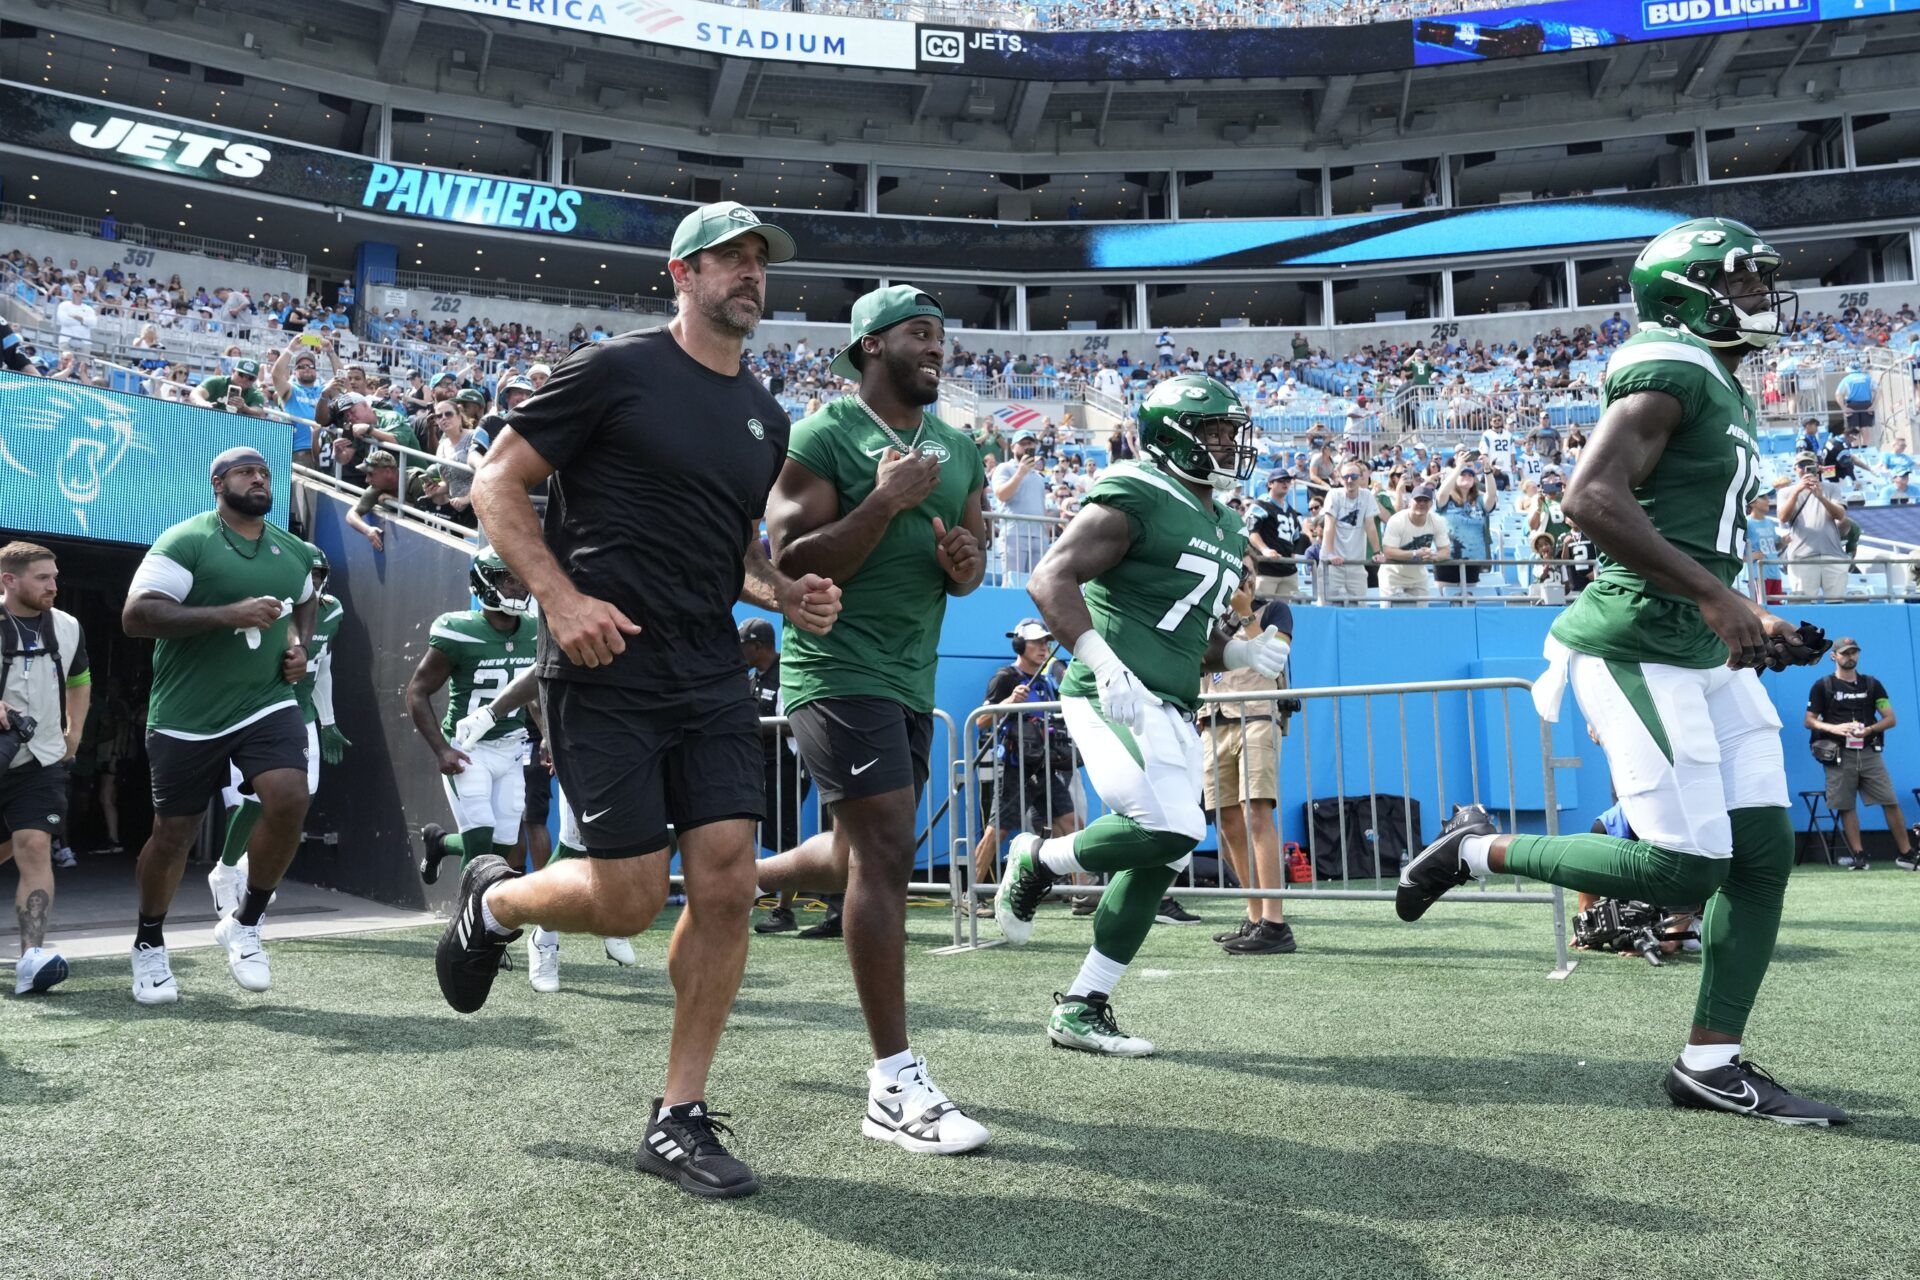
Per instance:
x=323, y=687
x=565, y=415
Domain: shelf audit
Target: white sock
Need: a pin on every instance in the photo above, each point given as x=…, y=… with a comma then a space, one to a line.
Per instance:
x=486, y=916
x=1705, y=1057
x=1473, y=852
x=889, y=1069
x=1056, y=855
x=545, y=938
x=1097, y=973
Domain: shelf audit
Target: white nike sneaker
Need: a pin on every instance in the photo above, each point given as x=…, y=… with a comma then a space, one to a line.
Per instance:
x=543, y=960
x=153, y=977
x=914, y=1114
x=229, y=885
x=246, y=957
x=620, y=951
x=246, y=873
x=40, y=969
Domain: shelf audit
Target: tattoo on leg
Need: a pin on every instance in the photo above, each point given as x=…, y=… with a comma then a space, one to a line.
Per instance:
x=33, y=919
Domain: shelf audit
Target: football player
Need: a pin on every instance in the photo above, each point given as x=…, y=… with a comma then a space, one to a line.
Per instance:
x=478, y=652
x=1663, y=657
x=314, y=692
x=1140, y=578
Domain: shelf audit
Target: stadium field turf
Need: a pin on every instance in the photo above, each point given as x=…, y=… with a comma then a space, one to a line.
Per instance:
x=1393, y=1101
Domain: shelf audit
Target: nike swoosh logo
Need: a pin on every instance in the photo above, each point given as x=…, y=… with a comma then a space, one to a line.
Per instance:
x=1744, y=1100
x=595, y=817
x=863, y=768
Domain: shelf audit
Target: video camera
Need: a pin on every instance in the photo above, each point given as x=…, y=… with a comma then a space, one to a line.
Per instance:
x=1639, y=927
x=17, y=734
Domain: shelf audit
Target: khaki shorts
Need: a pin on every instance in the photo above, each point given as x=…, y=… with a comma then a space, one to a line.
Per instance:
x=1270, y=587
x=1236, y=768
x=1860, y=772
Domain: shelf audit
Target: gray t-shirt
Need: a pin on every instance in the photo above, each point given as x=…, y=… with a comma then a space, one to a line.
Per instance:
x=1349, y=516
x=1030, y=498
x=1816, y=534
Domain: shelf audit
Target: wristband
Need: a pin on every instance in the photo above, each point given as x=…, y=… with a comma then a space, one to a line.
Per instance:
x=1093, y=650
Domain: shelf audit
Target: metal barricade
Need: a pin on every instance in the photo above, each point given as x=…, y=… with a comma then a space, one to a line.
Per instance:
x=1345, y=736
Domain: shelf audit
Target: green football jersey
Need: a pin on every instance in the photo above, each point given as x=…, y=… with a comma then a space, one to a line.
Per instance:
x=326, y=625
x=485, y=661
x=1156, y=609
x=886, y=639
x=208, y=684
x=1696, y=496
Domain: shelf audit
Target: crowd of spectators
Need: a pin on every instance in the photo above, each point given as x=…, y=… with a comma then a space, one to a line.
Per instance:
x=1128, y=15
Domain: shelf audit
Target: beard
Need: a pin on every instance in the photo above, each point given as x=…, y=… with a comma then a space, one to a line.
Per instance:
x=904, y=372
x=737, y=314
x=247, y=504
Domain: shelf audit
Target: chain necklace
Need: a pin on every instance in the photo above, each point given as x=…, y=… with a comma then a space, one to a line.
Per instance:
x=227, y=534
x=903, y=446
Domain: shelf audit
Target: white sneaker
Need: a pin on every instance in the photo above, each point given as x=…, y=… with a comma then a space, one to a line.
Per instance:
x=153, y=976
x=543, y=960
x=229, y=885
x=620, y=951
x=40, y=969
x=246, y=874
x=913, y=1114
x=246, y=957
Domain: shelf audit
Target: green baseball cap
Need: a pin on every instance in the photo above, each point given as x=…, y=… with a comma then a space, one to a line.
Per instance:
x=713, y=224
x=880, y=310
x=251, y=368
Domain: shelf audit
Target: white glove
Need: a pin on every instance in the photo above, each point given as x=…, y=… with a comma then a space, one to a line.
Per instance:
x=1123, y=699
x=1265, y=653
x=470, y=728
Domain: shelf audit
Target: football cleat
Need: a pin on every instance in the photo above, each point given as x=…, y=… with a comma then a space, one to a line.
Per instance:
x=620, y=951
x=1023, y=883
x=683, y=1145
x=1747, y=1090
x=434, y=836
x=246, y=957
x=827, y=928
x=153, y=977
x=1086, y=1023
x=39, y=969
x=543, y=960
x=1439, y=867
x=228, y=885
x=914, y=1114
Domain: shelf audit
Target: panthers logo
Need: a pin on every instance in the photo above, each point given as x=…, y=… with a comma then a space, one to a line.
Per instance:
x=65, y=439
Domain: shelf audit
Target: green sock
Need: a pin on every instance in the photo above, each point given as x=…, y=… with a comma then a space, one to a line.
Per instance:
x=1741, y=921
x=504, y=852
x=239, y=829
x=1112, y=843
x=1615, y=868
x=1127, y=910
x=562, y=851
x=469, y=844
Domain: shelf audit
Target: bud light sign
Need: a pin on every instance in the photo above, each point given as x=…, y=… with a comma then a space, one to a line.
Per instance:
x=1588, y=24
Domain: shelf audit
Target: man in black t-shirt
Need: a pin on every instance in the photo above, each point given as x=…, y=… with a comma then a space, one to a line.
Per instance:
x=1848, y=715
x=13, y=350
x=661, y=450
x=1277, y=540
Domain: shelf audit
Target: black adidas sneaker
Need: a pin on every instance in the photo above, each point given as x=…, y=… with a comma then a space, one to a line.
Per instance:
x=683, y=1146
x=1439, y=867
x=469, y=953
x=1747, y=1090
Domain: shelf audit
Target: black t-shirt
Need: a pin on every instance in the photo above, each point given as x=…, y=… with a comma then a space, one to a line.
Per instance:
x=1279, y=528
x=1838, y=456
x=1041, y=688
x=1834, y=701
x=1279, y=614
x=661, y=474
x=10, y=349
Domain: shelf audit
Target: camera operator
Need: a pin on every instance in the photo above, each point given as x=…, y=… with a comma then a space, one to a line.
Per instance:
x=1848, y=715
x=45, y=686
x=1030, y=787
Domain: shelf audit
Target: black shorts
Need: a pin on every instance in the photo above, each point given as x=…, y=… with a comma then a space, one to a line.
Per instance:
x=33, y=797
x=1452, y=572
x=1859, y=420
x=539, y=791
x=188, y=772
x=633, y=762
x=859, y=747
x=786, y=787
x=1029, y=801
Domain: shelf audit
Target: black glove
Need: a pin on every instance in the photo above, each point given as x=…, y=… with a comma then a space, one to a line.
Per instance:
x=1811, y=647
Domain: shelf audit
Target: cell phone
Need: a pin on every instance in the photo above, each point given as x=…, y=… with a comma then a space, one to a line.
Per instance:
x=311, y=340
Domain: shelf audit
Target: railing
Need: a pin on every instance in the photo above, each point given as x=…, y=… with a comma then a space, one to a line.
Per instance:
x=1372, y=834
x=474, y=294
x=137, y=236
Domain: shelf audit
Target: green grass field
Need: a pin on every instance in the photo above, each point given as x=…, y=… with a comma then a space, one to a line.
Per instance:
x=1394, y=1101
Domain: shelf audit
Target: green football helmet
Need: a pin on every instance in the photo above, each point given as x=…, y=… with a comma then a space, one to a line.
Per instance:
x=318, y=568
x=1173, y=423
x=488, y=578
x=1678, y=281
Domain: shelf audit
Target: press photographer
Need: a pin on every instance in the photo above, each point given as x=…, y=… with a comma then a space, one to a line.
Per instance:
x=45, y=686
